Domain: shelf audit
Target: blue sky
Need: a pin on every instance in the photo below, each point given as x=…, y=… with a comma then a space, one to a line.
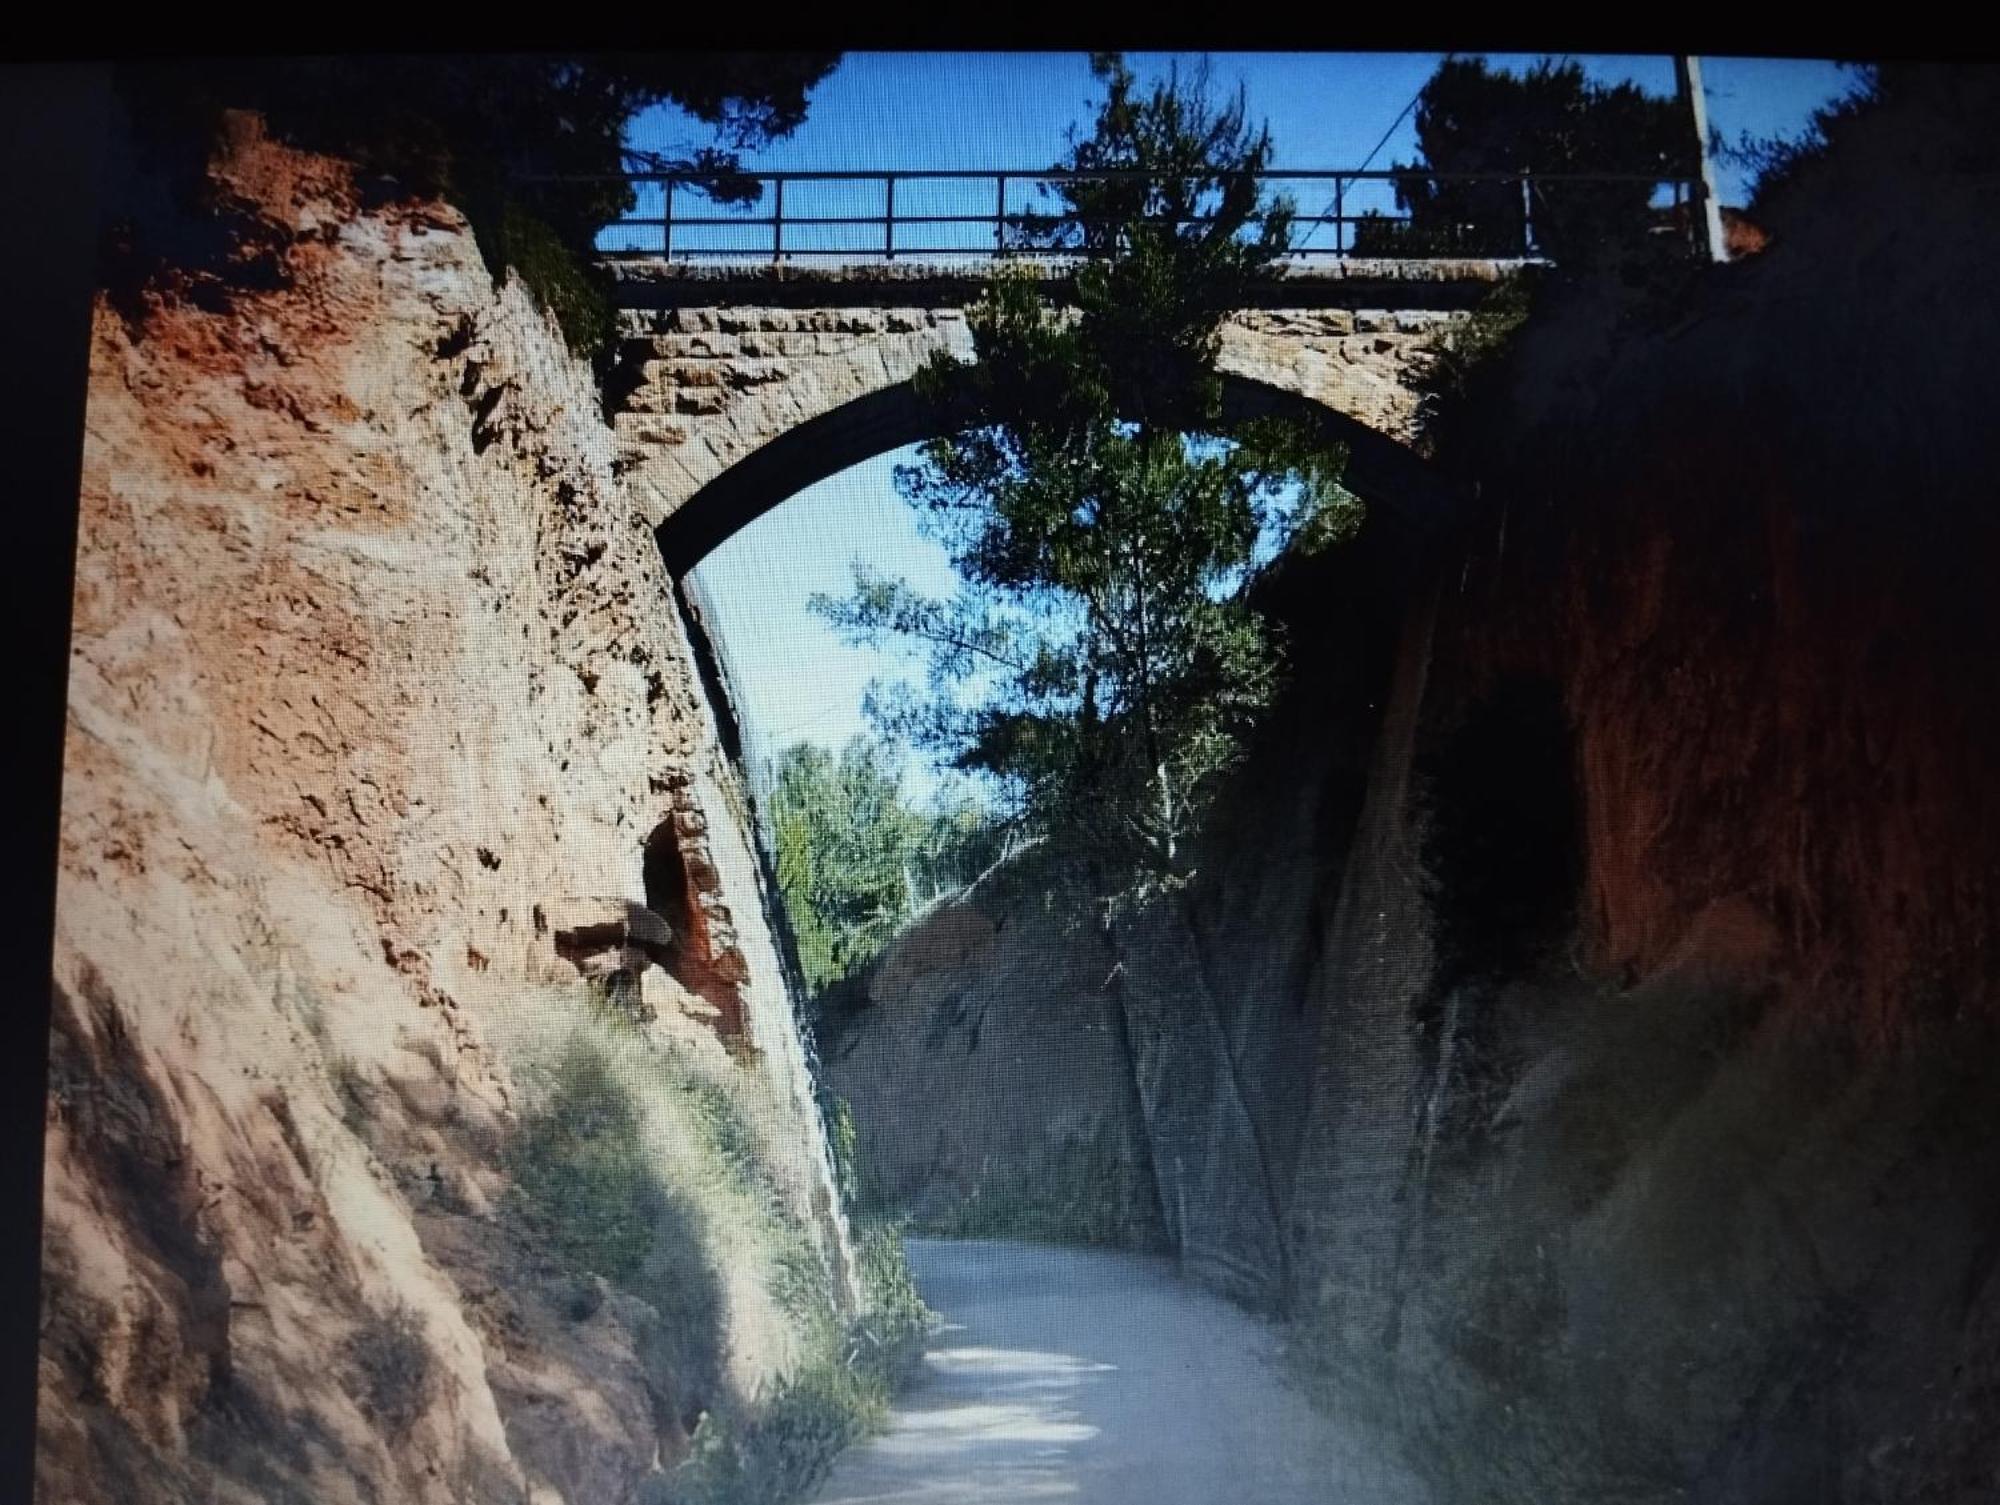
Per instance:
x=795, y=678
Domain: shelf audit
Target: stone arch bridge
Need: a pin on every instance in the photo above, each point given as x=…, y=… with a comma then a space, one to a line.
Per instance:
x=747, y=384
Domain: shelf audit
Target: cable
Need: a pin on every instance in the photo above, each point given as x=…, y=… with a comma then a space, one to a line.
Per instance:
x=1340, y=183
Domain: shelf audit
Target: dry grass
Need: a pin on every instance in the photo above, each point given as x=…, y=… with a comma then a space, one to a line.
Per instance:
x=654, y=1161
x=393, y=1366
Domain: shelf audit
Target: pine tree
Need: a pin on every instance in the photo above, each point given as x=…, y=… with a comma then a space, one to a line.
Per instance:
x=1551, y=120
x=1101, y=663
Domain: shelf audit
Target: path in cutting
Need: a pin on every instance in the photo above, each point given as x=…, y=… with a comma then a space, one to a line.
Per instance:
x=1100, y=1378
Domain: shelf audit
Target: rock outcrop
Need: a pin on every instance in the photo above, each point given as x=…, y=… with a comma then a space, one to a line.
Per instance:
x=375, y=670
x=973, y=1112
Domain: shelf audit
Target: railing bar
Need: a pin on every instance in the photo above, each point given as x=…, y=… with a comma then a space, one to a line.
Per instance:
x=763, y=222
x=823, y=219
x=971, y=252
x=1053, y=175
x=1678, y=186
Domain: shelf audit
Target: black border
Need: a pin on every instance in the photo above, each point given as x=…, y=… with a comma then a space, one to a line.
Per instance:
x=52, y=124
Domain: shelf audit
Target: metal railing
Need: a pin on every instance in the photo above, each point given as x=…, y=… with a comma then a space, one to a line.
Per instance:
x=883, y=216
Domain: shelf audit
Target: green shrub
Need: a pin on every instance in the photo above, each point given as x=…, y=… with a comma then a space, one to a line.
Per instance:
x=631, y=1164
x=781, y=1449
x=561, y=280
x=895, y=1325
x=844, y=1145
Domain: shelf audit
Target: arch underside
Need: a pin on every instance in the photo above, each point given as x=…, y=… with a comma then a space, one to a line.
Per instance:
x=1383, y=472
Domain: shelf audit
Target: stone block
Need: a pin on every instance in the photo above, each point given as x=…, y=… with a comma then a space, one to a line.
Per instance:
x=603, y=935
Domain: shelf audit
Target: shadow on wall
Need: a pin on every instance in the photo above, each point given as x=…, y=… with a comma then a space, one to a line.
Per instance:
x=1501, y=833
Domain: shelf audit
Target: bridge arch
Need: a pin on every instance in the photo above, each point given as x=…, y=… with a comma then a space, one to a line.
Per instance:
x=1383, y=471
x=743, y=394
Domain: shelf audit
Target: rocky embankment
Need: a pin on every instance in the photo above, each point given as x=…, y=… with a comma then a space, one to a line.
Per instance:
x=382, y=731
x=1000, y=1001
x=1582, y=1026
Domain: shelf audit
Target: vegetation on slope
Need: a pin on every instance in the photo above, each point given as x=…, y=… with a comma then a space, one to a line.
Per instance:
x=856, y=858
x=530, y=146
x=643, y=1168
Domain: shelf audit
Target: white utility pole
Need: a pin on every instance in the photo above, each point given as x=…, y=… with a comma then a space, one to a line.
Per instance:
x=1687, y=82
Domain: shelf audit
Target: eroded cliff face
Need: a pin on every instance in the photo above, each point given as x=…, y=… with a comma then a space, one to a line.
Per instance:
x=376, y=688
x=1598, y=942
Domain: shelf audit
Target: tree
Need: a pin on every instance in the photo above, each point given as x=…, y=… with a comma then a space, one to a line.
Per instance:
x=840, y=833
x=1775, y=162
x=531, y=146
x=1550, y=120
x=1100, y=662
x=854, y=858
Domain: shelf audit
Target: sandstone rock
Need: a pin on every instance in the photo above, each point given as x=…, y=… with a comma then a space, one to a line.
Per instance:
x=605, y=935
x=333, y=663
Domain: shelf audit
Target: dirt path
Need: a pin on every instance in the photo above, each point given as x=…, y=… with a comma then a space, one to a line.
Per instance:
x=1100, y=1379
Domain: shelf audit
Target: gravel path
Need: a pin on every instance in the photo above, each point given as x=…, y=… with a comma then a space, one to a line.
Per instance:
x=1099, y=1378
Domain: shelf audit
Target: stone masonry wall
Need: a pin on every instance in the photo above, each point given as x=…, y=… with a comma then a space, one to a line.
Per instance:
x=717, y=383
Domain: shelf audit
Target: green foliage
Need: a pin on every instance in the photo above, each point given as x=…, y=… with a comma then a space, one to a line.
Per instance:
x=895, y=1324
x=1551, y=119
x=529, y=145
x=781, y=1451
x=635, y=1167
x=563, y=282
x=781, y=1448
x=1776, y=161
x=855, y=859
x=1100, y=662
x=843, y=1145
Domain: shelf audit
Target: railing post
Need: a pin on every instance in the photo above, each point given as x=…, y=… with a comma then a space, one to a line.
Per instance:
x=778, y=221
x=1527, y=217
x=889, y=216
x=1339, y=218
x=1000, y=215
x=667, y=225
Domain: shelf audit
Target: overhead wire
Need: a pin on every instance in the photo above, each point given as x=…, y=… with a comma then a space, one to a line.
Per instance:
x=1340, y=183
